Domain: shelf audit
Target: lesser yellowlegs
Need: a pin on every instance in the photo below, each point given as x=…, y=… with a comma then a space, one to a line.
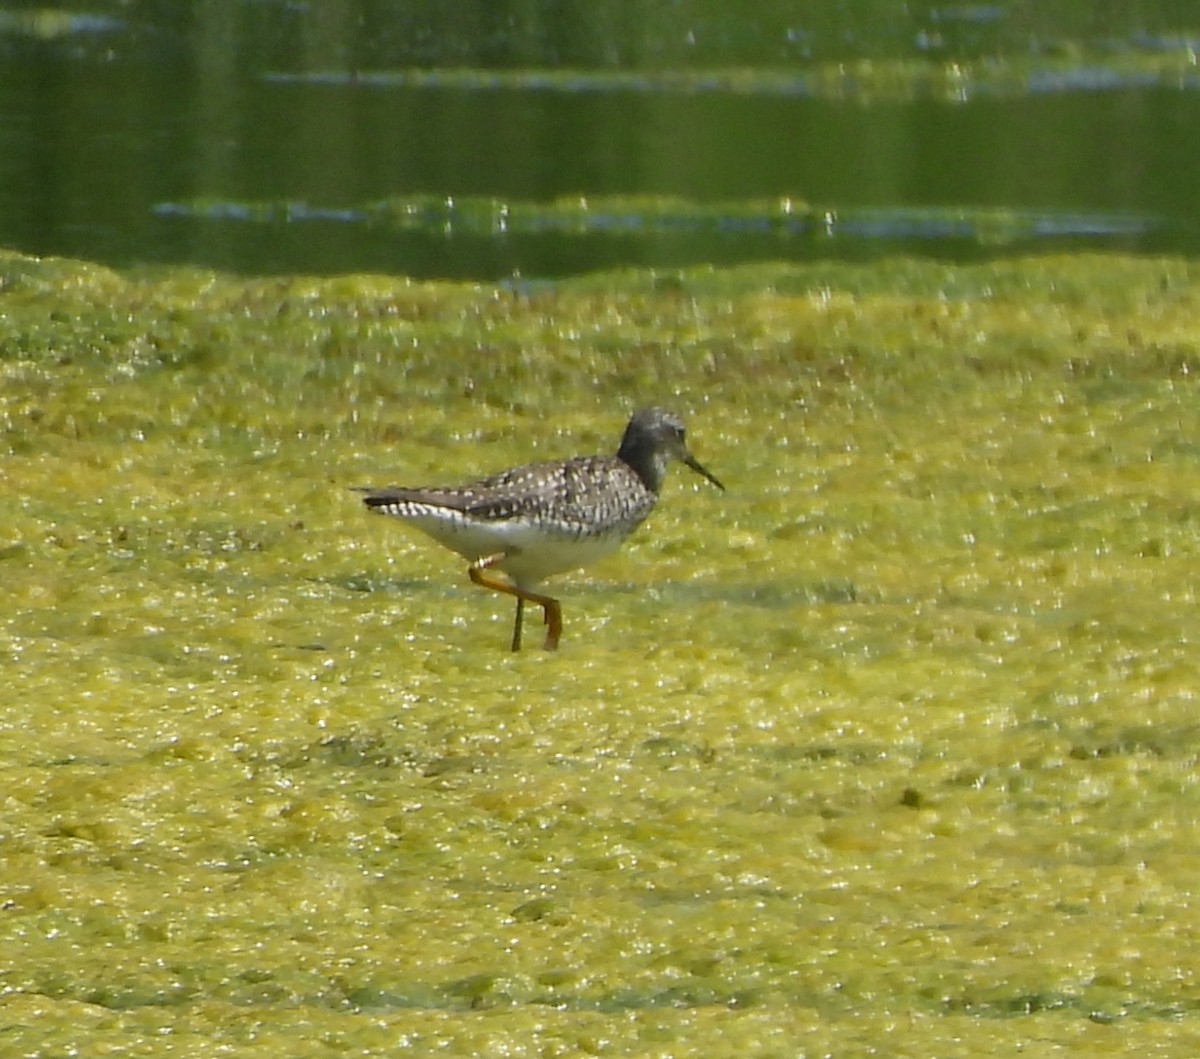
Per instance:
x=540, y=519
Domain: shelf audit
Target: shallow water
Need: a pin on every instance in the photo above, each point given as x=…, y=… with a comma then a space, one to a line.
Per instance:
x=438, y=140
x=890, y=747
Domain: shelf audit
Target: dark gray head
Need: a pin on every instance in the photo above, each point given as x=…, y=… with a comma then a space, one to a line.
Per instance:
x=653, y=438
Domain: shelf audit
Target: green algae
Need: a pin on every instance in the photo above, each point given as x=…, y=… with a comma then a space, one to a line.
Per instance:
x=946, y=76
x=890, y=747
x=648, y=216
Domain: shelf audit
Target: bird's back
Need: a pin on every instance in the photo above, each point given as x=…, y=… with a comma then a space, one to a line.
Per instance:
x=546, y=517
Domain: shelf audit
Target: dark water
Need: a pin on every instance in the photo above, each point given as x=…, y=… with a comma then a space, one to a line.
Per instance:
x=138, y=133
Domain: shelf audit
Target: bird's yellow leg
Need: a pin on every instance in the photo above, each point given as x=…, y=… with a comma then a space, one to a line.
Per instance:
x=551, y=609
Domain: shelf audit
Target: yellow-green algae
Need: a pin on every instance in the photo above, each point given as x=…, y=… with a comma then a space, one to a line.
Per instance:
x=632, y=216
x=1066, y=65
x=891, y=749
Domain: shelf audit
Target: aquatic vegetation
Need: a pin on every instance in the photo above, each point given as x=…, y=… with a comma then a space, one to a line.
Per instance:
x=952, y=78
x=651, y=218
x=898, y=732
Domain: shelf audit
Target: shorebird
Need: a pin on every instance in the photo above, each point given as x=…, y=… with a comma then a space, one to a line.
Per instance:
x=541, y=519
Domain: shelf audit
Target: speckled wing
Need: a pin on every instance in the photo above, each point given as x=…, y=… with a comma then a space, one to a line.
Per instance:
x=571, y=496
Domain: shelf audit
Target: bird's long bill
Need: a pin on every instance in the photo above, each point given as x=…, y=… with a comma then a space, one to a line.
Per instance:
x=700, y=469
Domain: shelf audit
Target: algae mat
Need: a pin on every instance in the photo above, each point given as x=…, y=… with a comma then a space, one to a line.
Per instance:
x=888, y=750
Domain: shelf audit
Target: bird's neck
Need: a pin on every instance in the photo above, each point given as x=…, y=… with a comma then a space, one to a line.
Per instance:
x=648, y=464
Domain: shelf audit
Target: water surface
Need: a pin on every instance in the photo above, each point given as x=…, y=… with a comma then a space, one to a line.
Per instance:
x=161, y=132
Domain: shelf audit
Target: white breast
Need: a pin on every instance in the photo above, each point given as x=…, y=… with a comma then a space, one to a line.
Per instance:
x=532, y=551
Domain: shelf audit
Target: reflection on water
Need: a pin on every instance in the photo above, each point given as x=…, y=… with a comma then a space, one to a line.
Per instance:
x=863, y=82
x=778, y=225
x=155, y=133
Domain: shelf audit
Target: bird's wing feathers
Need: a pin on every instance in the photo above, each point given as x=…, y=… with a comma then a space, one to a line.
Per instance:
x=568, y=491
